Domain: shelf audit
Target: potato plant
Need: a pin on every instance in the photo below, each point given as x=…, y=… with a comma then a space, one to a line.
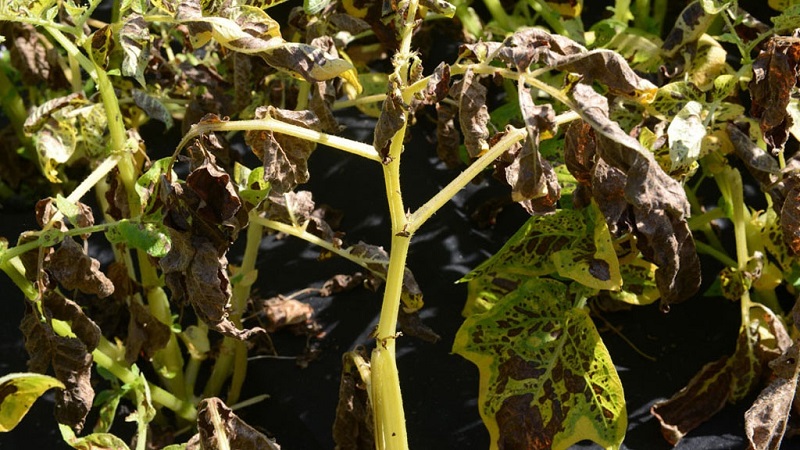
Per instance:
x=606, y=128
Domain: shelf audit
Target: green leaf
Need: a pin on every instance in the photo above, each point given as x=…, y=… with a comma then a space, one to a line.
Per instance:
x=541, y=358
x=314, y=7
x=150, y=237
x=18, y=392
x=94, y=441
x=70, y=209
x=253, y=188
x=147, y=182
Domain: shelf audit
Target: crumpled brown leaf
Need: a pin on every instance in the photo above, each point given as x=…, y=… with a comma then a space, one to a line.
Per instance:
x=659, y=203
x=473, y=115
x=447, y=136
x=774, y=76
x=377, y=260
x=285, y=158
x=217, y=423
x=391, y=120
x=74, y=269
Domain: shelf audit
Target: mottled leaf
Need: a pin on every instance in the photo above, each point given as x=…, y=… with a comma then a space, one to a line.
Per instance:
x=547, y=380
x=134, y=38
x=285, y=158
x=574, y=244
x=761, y=165
x=217, y=424
x=18, y=392
x=690, y=25
x=102, y=44
x=153, y=107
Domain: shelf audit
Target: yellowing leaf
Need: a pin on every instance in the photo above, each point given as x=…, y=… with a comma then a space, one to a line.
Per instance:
x=542, y=359
x=18, y=392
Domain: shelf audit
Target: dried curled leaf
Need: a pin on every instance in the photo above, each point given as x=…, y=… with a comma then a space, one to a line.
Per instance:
x=146, y=334
x=285, y=158
x=377, y=260
x=391, y=120
x=217, y=424
x=281, y=312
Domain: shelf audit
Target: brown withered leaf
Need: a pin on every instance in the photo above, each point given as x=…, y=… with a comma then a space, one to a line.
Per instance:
x=219, y=201
x=353, y=425
x=61, y=308
x=217, y=423
x=74, y=269
x=146, y=333
x=391, y=120
x=377, y=260
x=659, y=203
x=282, y=311
x=285, y=158
x=301, y=205
x=447, y=136
x=473, y=114
x=765, y=421
x=70, y=359
x=579, y=151
x=533, y=45
x=774, y=76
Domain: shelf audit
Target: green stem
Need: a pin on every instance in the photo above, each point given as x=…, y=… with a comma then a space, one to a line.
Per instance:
x=14, y=109
x=421, y=215
x=720, y=256
x=277, y=126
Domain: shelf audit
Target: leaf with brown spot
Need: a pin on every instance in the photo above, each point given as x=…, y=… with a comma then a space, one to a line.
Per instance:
x=547, y=380
x=217, y=423
x=74, y=269
x=134, y=38
x=285, y=158
x=473, y=115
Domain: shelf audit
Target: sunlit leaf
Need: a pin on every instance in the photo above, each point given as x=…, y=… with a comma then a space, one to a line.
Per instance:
x=18, y=392
x=541, y=358
x=150, y=237
x=686, y=133
x=134, y=39
x=94, y=441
